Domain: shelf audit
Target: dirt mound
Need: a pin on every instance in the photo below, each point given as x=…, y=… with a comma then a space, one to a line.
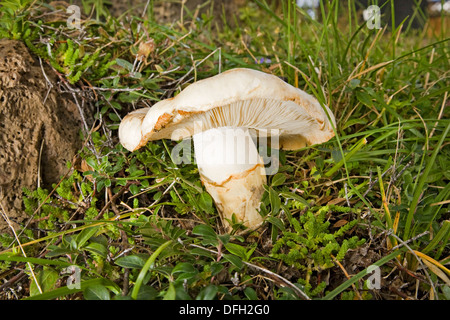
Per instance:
x=38, y=128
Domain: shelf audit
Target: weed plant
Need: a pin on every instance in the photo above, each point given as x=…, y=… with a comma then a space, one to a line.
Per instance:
x=123, y=225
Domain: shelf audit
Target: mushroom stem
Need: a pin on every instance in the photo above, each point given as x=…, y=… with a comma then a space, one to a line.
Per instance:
x=232, y=172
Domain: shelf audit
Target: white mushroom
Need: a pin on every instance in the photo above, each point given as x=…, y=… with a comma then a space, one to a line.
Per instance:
x=217, y=112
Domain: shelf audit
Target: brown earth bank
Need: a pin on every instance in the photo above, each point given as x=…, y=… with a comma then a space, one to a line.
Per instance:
x=39, y=129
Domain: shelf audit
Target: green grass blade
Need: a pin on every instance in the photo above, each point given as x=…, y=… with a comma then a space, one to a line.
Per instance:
x=338, y=165
x=44, y=262
x=442, y=233
x=361, y=274
x=64, y=291
x=420, y=184
x=148, y=264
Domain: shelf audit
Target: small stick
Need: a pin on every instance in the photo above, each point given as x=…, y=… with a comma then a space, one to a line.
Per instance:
x=5, y=216
x=440, y=114
x=347, y=276
x=111, y=201
x=418, y=259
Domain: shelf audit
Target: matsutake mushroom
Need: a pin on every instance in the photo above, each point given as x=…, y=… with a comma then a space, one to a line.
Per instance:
x=217, y=113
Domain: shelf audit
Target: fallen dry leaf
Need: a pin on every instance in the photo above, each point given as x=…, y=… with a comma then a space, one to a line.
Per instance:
x=340, y=223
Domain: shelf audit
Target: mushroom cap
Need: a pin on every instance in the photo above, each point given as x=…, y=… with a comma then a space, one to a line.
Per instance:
x=235, y=98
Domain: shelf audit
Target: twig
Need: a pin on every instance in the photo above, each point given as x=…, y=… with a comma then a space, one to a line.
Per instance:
x=440, y=114
x=13, y=280
x=347, y=276
x=145, y=9
x=371, y=184
x=165, y=191
x=410, y=240
x=117, y=89
x=80, y=109
x=418, y=259
x=394, y=165
x=398, y=292
x=401, y=172
x=33, y=275
x=193, y=68
x=113, y=198
x=50, y=85
x=346, y=195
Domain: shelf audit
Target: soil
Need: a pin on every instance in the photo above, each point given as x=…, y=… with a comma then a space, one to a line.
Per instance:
x=39, y=129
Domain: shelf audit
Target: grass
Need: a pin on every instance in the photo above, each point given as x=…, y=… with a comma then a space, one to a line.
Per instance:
x=140, y=227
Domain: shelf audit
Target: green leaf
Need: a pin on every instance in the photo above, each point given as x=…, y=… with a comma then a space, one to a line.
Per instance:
x=250, y=293
x=85, y=235
x=355, y=148
x=201, y=253
x=354, y=83
x=364, y=98
x=293, y=196
x=207, y=293
x=275, y=201
x=100, y=184
x=446, y=291
x=64, y=291
x=224, y=238
x=92, y=163
x=276, y=222
x=237, y=250
x=147, y=293
x=128, y=97
x=206, y=232
x=107, y=183
x=234, y=260
x=278, y=179
x=97, y=248
x=116, y=105
x=55, y=252
x=134, y=189
x=205, y=202
x=171, y=293
x=216, y=268
x=96, y=292
x=47, y=278
x=184, y=267
x=136, y=173
x=124, y=64
x=442, y=233
x=132, y=261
